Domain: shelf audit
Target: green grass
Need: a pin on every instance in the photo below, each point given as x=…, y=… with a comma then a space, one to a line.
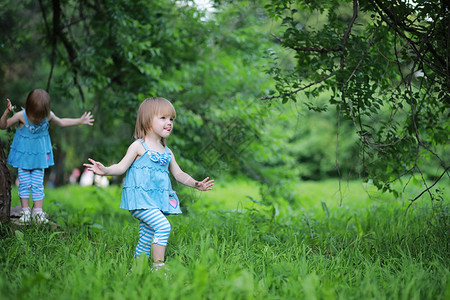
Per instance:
x=229, y=247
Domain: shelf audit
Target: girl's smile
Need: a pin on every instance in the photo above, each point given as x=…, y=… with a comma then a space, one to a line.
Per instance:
x=162, y=125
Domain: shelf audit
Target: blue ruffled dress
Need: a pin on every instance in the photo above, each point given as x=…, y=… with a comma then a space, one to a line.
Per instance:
x=147, y=183
x=31, y=147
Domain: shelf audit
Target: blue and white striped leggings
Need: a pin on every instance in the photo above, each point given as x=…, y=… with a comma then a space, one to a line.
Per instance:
x=154, y=228
x=31, y=181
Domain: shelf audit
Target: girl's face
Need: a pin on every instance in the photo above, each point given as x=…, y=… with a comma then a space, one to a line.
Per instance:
x=162, y=125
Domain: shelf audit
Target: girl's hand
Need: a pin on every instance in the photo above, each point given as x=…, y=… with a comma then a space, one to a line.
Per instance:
x=96, y=167
x=9, y=107
x=4, y=121
x=87, y=119
x=204, y=185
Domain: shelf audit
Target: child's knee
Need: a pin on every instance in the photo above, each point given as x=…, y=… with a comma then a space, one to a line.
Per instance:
x=167, y=226
x=38, y=192
x=24, y=192
x=24, y=186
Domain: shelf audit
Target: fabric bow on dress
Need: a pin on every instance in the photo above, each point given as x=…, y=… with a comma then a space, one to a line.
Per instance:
x=162, y=159
x=37, y=128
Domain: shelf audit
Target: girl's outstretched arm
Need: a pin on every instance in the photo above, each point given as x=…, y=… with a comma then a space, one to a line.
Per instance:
x=133, y=152
x=85, y=119
x=5, y=122
x=96, y=167
x=186, y=179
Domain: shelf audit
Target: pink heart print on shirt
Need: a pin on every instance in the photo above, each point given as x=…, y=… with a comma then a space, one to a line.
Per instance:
x=173, y=202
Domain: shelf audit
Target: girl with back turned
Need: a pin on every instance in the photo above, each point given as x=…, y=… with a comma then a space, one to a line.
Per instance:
x=31, y=150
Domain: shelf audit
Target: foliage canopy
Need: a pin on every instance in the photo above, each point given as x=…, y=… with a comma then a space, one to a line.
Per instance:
x=382, y=64
x=386, y=65
x=108, y=56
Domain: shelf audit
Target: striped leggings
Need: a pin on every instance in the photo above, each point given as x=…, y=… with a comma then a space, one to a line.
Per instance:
x=154, y=228
x=31, y=181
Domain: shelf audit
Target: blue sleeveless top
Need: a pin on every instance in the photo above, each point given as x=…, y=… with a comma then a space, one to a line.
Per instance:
x=31, y=147
x=147, y=183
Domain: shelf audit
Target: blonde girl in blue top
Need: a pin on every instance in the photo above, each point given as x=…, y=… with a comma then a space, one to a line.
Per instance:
x=147, y=191
x=31, y=150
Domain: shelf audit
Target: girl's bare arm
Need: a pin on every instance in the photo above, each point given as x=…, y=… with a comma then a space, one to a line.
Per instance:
x=85, y=119
x=133, y=152
x=186, y=179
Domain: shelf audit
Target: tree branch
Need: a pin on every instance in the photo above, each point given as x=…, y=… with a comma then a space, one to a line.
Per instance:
x=72, y=53
x=307, y=49
x=299, y=89
x=389, y=17
x=347, y=32
x=427, y=189
x=53, y=38
x=320, y=50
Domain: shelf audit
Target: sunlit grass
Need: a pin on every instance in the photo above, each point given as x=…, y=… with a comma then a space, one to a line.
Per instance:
x=227, y=195
x=228, y=247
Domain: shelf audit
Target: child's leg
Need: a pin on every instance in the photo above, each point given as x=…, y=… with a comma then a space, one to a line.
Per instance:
x=24, y=187
x=24, y=194
x=37, y=187
x=155, y=219
x=146, y=234
x=158, y=253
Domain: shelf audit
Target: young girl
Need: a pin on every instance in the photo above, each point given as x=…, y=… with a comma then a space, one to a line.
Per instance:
x=147, y=191
x=31, y=149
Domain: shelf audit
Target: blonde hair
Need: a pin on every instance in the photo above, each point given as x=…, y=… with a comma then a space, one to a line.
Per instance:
x=148, y=109
x=37, y=106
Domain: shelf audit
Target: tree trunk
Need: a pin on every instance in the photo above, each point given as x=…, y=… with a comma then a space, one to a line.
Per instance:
x=56, y=172
x=5, y=188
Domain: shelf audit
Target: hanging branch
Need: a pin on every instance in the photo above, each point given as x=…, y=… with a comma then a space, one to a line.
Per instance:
x=57, y=34
x=419, y=45
x=299, y=89
x=390, y=18
x=53, y=38
x=67, y=45
x=307, y=49
x=347, y=32
x=320, y=50
x=427, y=189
